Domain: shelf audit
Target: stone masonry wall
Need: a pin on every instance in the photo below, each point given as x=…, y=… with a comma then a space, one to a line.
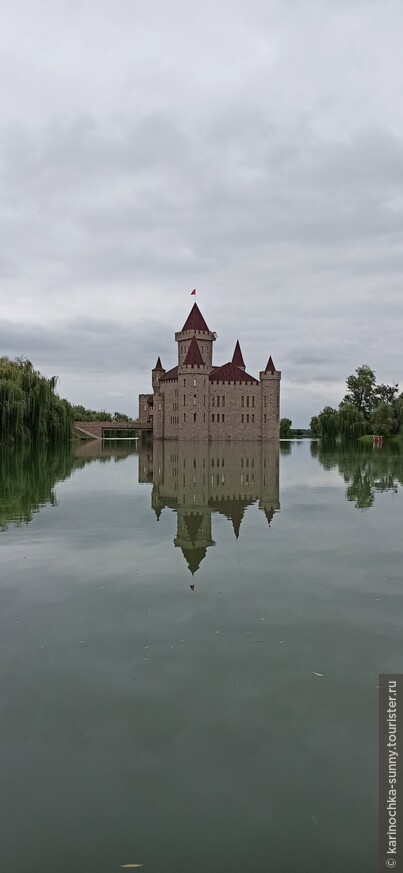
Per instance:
x=241, y=410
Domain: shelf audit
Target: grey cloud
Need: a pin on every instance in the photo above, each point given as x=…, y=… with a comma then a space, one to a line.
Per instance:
x=253, y=150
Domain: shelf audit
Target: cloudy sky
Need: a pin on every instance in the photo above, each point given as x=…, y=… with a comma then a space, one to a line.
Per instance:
x=249, y=148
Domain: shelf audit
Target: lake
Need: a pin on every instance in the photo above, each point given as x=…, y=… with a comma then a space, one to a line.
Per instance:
x=191, y=638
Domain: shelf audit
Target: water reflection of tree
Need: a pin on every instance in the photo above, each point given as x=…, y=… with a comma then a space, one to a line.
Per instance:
x=366, y=471
x=29, y=474
x=27, y=479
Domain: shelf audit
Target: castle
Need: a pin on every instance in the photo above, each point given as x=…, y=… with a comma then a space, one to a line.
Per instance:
x=197, y=400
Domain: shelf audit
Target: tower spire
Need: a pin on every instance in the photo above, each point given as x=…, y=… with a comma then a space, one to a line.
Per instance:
x=237, y=357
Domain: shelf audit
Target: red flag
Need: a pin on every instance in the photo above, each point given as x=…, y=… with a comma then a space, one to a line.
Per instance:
x=193, y=292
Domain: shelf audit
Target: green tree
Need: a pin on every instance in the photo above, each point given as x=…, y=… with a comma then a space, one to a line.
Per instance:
x=383, y=420
x=352, y=423
x=361, y=390
x=398, y=411
x=329, y=422
x=29, y=406
x=386, y=393
x=315, y=426
x=285, y=428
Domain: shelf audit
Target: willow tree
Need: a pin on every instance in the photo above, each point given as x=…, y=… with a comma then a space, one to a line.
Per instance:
x=30, y=409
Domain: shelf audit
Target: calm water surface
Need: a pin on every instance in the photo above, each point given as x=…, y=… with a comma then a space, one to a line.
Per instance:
x=191, y=639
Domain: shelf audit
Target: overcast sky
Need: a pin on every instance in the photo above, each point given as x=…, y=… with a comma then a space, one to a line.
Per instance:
x=248, y=148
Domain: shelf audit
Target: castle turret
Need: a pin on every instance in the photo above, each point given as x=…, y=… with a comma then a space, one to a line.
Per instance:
x=158, y=400
x=195, y=326
x=237, y=357
x=270, y=385
x=156, y=374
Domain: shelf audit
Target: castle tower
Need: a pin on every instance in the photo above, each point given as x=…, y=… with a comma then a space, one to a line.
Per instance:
x=193, y=394
x=270, y=387
x=158, y=401
x=156, y=374
x=195, y=326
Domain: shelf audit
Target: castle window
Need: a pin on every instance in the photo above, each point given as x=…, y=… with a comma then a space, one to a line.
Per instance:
x=218, y=416
x=218, y=401
x=242, y=400
x=204, y=416
x=184, y=383
x=159, y=407
x=194, y=416
x=265, y=418
x=212, y=462
x=223, y=401
x=184, y=416
x=194, y=399
x=212, y=417
x=247, y=419
x=222, y=480
x=253, y=400
x=204, y=399
x=145, y=407
x=194, y=462
x=242, y=418
x=253, y=419
x=265, y=400
x=184, y=399
x=218, y=479
x=194, y=382
x=212, y=401
x=223, y=418
x=247, y=400
x=204, y=383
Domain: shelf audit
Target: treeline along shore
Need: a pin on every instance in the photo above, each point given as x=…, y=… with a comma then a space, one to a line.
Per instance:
x=31, y=410
x=367, y=408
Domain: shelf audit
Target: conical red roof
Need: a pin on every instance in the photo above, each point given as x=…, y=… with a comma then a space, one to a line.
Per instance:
x=193, y=357
x=158, y=365
x=237, y=358
x=270, y=366
x=195, y=320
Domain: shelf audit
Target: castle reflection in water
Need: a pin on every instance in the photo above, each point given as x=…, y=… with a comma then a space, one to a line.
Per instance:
x=197, y=480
